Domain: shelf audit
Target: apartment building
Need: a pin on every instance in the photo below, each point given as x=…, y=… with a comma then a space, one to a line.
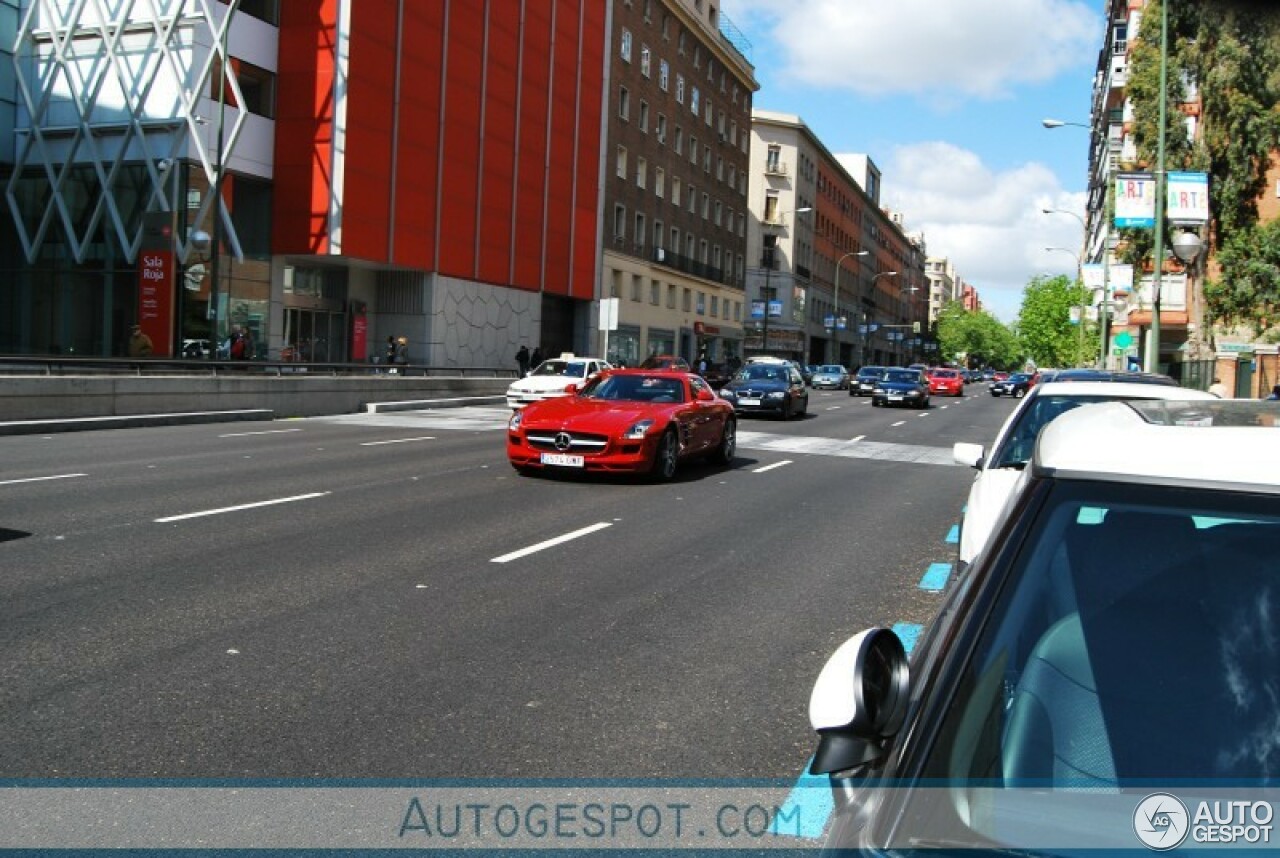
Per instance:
x=320, y=174
x=844, y=281
x=680, y=91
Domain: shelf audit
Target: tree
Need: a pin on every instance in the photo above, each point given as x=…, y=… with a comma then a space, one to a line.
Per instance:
x=1249, y=288
x=978, y=335
x=1044, y=323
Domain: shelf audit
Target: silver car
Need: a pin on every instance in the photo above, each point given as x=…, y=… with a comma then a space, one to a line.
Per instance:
x=830, y=376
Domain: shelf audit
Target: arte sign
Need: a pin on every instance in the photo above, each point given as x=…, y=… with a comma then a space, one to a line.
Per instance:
x=1187, y=198
x=155, y=299
x=1135, y=200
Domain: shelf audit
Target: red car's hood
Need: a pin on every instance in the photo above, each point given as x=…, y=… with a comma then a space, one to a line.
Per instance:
x=590, y=415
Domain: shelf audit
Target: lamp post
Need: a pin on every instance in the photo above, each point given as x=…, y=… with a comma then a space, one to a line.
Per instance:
x=871, y=291
x=768, y=271
x=835, y=333
x=1152, y=362
x=1079, y=266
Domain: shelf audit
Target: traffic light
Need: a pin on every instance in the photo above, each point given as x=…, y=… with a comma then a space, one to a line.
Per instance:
x=915, y=327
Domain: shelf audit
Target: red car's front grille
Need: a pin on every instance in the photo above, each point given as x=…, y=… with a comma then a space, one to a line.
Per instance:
x=580, y=443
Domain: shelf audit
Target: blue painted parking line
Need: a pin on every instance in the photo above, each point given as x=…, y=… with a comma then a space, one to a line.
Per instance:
x=935, y=579
x=908, y=633
x=953, y=535
x=807, y=808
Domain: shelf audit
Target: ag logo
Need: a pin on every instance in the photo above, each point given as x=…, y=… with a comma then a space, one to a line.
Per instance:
x=1160, y=821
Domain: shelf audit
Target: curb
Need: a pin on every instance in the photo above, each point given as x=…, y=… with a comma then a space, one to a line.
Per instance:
x=420, y=404
x=131, y=421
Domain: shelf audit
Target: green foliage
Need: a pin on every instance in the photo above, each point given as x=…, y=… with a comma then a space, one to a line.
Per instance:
x=1231, y=49
x=976, y=334
x=1249, y=289
x=1044, y=323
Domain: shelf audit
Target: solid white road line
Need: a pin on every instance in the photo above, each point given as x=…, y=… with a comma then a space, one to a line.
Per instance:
x=263, y=432
x=397, y=441
x=771, y=467
x=206, y=512
x=40, y=479
x=533, y=549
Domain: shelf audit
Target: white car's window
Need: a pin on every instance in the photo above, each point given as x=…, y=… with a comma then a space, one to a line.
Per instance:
x=1018, y=445
x=1133, y=639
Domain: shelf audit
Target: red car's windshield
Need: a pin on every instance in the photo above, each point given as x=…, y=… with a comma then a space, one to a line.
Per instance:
x=637, y=388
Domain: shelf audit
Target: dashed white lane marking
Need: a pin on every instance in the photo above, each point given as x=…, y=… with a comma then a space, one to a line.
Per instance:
x=783, y=463
x=397, y=441
x=263, y=432
x=41, y=479
x=856, y=440
x=899, y=423
x=239, y=507
x=532, y=549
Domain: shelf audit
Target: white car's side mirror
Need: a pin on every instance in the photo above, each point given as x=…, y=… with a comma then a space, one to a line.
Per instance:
x=967, y=454
x=859, y=700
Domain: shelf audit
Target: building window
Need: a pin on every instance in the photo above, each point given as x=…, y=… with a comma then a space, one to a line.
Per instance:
x=773, y=160
x=621, y=162
x=619, y=221
x=662, y=128
x=642, y=173
x=675, y=240
x=679, y=140
x=701, y=307
x=682, y=40
x=715, y=306
x=645, y=58
x=657, y=233
x=733, y=176
x=706, y=206
x=664, y=75
x=671, y=296
x=771, y=207
x=655, y=292
x=666, y=26
x=694, y=101
x=624, y=104
x=686, y=300
x=706, y=159
x=659, y=182
x=679, y=88
x=693, y=200
x=708, y=114
x=644, y=116
x=715, y=263
x=625, y=51
x=676, y=191
x=689, y=241
x=636, y=287
x=719, y=213
x=641, y=232
x=693, y=150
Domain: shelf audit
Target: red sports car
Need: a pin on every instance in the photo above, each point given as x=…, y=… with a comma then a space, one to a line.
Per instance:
x=946, y=382
x=629, y=420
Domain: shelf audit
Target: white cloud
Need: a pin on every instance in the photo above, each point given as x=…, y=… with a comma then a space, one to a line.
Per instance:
x=989, y=224
x=947, y=49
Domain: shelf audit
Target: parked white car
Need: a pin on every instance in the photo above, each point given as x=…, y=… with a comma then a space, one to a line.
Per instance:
x=552, y=377
x=998, y=471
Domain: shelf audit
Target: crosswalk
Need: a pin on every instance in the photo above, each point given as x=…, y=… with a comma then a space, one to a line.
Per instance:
x=483, y=418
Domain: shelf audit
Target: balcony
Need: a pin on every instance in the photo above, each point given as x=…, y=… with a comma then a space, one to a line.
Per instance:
x=688, y=265
x=775, y=168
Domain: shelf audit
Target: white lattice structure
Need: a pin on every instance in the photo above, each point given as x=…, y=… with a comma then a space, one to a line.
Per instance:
x=108, y=85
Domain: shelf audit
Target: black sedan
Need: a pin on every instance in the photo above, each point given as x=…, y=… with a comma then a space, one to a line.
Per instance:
x=1015, y=385
x=768, y=388
x=901, y=387
x=865, y=381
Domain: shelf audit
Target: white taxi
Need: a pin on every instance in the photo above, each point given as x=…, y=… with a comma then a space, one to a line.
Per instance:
x=553, y=377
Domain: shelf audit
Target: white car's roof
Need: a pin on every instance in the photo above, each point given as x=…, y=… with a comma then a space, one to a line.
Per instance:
x=1120, y=390
x=1223, y=443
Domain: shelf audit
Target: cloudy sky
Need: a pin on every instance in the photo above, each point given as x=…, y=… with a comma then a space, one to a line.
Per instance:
x=947, y=97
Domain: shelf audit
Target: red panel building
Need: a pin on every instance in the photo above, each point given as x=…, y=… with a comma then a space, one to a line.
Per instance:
x=438, y=166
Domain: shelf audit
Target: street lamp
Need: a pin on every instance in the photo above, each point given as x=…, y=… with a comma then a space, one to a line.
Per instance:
x=871, y=291
x=1058, y=123
x=835, y=334
x=768, y=271
x=1084, y=295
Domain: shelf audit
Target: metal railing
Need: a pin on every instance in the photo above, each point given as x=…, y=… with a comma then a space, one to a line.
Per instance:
x=61, y=365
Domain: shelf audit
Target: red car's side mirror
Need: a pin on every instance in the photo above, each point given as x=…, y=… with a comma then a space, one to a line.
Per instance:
x=705, y=395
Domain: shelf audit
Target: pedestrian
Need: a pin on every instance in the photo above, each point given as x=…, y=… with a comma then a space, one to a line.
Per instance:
x=537, y=357
x=140, y=344
x=389, y=353
x=702, y=362
x=237, y=349
x=1275, y=394
x=1218, y=389
x=522, y=360
x=402, y=350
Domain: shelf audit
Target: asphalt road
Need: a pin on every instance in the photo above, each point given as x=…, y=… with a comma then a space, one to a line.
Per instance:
x=371, y=597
